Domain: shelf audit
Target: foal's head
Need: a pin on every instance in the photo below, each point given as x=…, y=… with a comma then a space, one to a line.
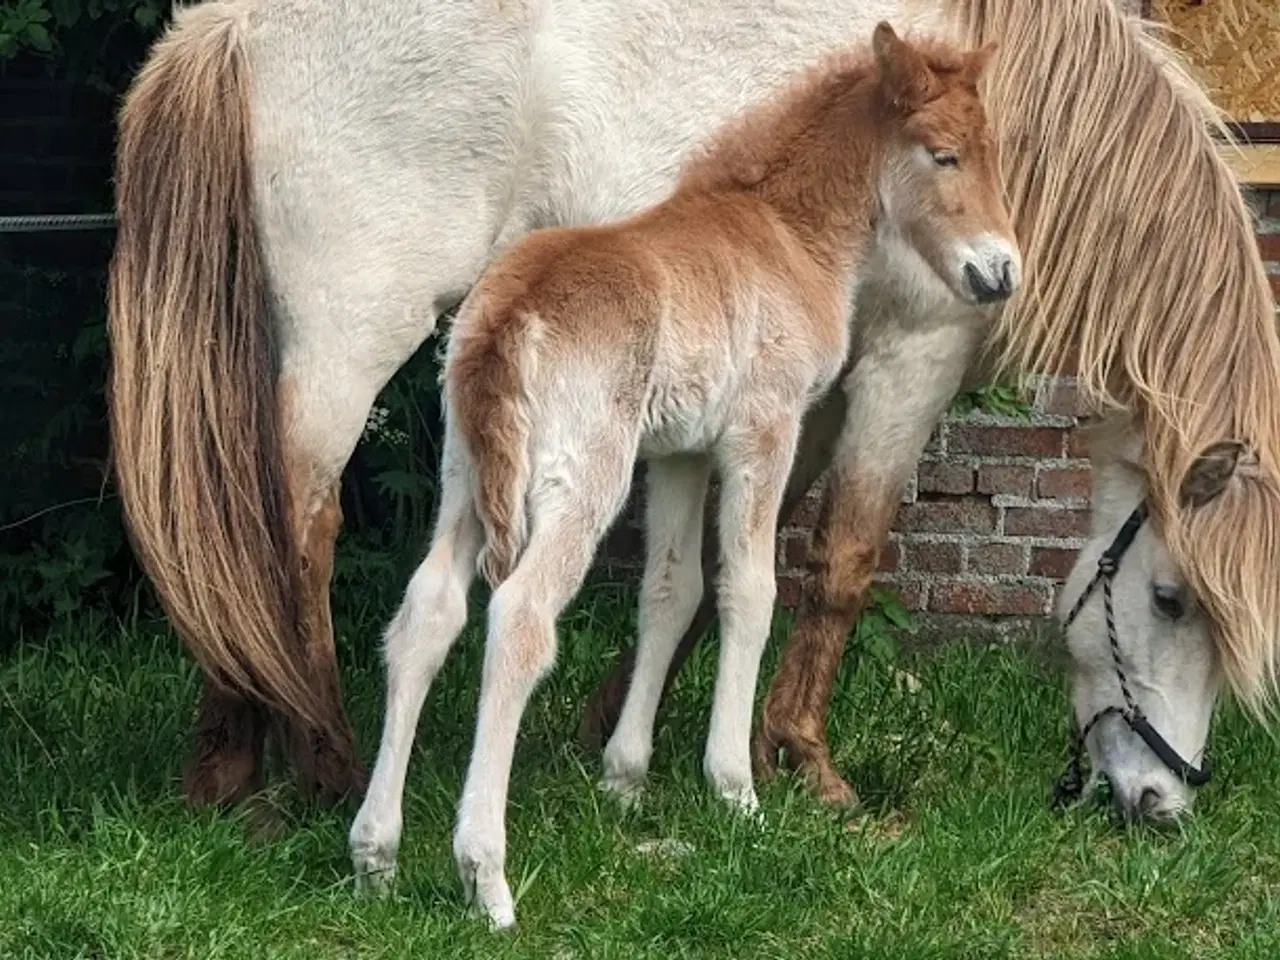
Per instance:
x=940, y=194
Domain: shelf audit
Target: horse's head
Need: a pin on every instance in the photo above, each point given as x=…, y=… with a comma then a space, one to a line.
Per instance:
x=1159, y=645
x=940, y=193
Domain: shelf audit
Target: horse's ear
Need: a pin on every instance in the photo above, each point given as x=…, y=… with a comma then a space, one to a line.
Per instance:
x=976, y=62
x=1210, y=472
x=904, y=74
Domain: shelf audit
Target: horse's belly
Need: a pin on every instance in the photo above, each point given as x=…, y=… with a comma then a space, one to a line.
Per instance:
x=682, y=417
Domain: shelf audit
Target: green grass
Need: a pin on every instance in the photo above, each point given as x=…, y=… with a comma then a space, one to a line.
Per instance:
x=956, y=854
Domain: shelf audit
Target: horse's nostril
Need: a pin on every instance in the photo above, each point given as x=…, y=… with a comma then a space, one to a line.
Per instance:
x=988, y=291
x=1149, y=801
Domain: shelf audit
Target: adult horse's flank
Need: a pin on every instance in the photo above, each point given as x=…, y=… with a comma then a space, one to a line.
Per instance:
x=303, y=188
x=693, y=335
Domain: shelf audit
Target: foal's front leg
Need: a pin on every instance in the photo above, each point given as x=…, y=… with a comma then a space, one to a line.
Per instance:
x=669, y=597
x=819, y=431
x=754, y=469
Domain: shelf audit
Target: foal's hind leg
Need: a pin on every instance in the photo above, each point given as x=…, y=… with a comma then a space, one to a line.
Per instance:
x=821, y=427
x=431, y=616
x=669, y=596
x=519, y=651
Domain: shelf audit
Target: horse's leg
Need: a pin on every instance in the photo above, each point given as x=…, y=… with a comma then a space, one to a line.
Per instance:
x=431, y=617
x=355, y=299
x=519, y=650
x=821, y=427
x=325, y=761
x=754, y=467
x=669, y=596
x=227, y=766
x=896, y=393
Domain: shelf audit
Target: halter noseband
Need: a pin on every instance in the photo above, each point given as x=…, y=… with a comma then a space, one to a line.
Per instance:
x=1070, y=786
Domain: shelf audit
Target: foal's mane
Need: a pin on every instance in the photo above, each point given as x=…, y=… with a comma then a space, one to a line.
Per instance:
x=1140, y=259
x=763, y=137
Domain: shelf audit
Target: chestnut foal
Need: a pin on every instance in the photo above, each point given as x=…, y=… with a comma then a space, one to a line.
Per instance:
x=695, y=335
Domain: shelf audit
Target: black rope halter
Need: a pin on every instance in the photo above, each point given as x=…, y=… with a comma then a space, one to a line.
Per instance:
x=1071, y=784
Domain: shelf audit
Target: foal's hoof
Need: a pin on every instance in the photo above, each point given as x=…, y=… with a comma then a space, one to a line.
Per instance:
x=625, y=791
x=486, y=893
x=375, y=871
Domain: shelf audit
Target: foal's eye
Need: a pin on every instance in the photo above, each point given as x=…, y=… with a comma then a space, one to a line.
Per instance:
x=1168, y=601
x=945, y=158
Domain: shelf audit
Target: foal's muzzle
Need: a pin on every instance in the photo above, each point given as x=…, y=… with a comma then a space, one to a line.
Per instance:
x=994, y=281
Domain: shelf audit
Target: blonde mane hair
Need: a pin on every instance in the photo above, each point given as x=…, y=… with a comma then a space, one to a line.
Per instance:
x=1141, y=262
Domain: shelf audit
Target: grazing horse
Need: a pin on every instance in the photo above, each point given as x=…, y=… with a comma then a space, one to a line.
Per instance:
x=694, y=335
x=302, y=189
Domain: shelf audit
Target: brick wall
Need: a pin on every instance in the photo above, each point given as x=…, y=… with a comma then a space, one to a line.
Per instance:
x=990, y=523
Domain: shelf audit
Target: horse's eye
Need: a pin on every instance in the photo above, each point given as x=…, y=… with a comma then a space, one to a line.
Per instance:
x=945, y=158
x=1168, y=601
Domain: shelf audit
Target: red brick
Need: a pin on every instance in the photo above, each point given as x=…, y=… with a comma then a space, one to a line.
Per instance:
x=1054, y=562
x=1060, y=483
x=910, y=594
x=926, y=557
x=1042, y=522
x=997, y=558
x=947, y=516
x=1275, y=286
x=951, y=478
x=1269, y=246
x=992, y=599
x=806, y=512
x=789, y=590
x=1014, y=481
x=795, y=550
x=890, y=557
x=1076, y=445
x=1005, y=441
x=934, y=443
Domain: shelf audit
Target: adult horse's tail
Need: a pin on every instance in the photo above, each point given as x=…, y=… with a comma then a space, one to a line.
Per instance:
x=193, y=402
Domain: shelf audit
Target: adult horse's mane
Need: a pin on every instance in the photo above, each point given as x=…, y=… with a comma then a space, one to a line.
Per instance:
x=1141, y=262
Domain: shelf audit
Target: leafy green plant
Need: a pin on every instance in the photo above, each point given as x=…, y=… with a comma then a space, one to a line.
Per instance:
x=44, y=25
x=884, y=613
x=1002, y=399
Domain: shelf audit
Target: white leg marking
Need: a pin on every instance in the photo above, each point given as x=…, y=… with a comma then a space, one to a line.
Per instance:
x=669, y=598
x=520, y=649
x=430, y=618
x=750, y=497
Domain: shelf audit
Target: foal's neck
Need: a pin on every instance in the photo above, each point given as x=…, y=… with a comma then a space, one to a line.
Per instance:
x=823, y=184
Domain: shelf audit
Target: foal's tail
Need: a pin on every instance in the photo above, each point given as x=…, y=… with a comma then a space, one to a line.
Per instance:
x=193, y=400
x=488, y=400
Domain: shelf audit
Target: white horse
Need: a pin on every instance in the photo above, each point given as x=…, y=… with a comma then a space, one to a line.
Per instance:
x=303, y=188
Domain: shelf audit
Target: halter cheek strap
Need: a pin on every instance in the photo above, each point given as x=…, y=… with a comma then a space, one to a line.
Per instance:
x=1071, y=784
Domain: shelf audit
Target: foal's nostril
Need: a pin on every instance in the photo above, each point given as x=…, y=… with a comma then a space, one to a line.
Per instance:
x=1006, y=278
x=990, y=291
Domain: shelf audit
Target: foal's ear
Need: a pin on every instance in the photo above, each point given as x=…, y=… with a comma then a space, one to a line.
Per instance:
x=1210, y=472
x=976, y=62
x=904, y=74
